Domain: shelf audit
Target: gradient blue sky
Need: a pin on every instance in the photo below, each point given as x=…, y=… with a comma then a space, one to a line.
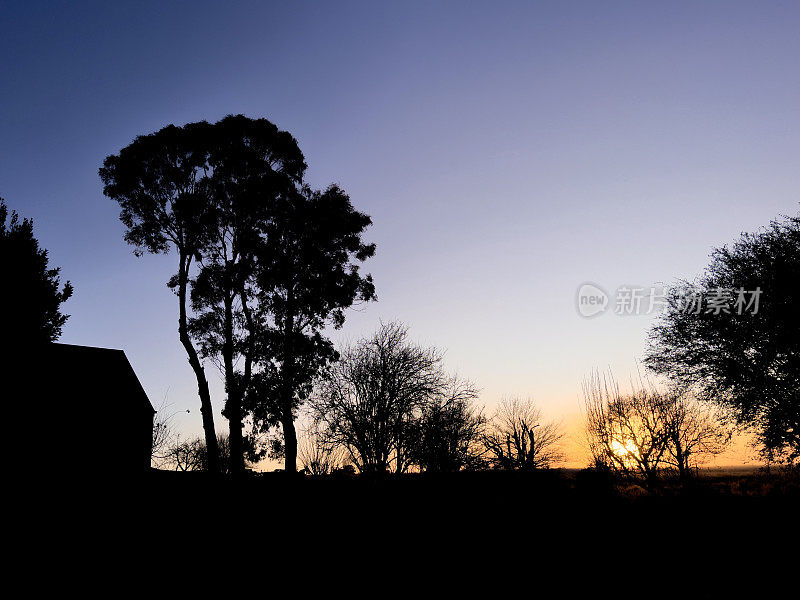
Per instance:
x=507, y=152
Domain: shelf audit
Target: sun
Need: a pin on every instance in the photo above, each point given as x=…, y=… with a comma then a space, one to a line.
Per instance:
x=626, y=450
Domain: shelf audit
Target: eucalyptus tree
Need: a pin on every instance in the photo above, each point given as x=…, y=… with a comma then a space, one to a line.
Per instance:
x=277, y=262
x=161, y=183
x=307, y=274
x=250, y=163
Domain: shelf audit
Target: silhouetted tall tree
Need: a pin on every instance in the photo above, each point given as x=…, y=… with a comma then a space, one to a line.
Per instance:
x=32, y=294
x=251, y=161
x=277, y=261
x=307, y=274
x=734, y=336
x=160, y=182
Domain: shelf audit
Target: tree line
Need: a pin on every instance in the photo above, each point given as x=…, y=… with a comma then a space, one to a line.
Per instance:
x=266, y=265
x=387, y=405
x=384, y=403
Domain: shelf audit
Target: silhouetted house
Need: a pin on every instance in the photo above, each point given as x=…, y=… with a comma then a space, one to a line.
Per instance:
x=97, y=412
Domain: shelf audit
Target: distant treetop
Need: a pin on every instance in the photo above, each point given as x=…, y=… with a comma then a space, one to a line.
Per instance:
x=33, y=294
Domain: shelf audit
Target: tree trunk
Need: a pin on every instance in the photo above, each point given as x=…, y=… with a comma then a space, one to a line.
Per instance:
x=680, y=458
x=287, y=418
x=234, y=412
x=233, y=407
x=206, y=410
x=289, y=440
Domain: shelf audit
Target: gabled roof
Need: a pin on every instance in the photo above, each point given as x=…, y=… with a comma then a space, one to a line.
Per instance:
x=100, y=377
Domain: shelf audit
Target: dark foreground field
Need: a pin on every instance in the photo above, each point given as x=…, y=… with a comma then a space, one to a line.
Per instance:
x=455, y=491
x=570, y=515
x=476, y=500
x=732, y=485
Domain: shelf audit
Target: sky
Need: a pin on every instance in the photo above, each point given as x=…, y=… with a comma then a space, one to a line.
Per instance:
x=507, y=152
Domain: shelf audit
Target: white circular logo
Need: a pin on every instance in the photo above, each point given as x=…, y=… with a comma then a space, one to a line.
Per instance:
x=591, y=299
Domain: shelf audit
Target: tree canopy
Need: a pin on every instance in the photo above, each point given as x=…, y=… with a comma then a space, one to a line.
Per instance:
x=307, y=274
x=734, y=335
x=267, y=261
x=33, y=292
x=251, y=164
x=377, y=402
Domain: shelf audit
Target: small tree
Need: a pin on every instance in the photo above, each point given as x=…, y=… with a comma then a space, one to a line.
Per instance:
x=446, y=437
x=187, y=455
x=695, y=433
x=192, y=454
x=32, y=296
x=627, y=433
x=640, y=434
x=315, y=452
x=164, y=435
x=518, y=438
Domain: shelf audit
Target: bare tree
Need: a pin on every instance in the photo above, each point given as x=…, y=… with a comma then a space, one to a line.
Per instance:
x=695, y=432
x=369, y=398
x=192, y=454
x=317, y=454
x=447, y=434
x=647, y=431
x=518, y=438
x=188, y=455
x=626, y=433
x=163, y=434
